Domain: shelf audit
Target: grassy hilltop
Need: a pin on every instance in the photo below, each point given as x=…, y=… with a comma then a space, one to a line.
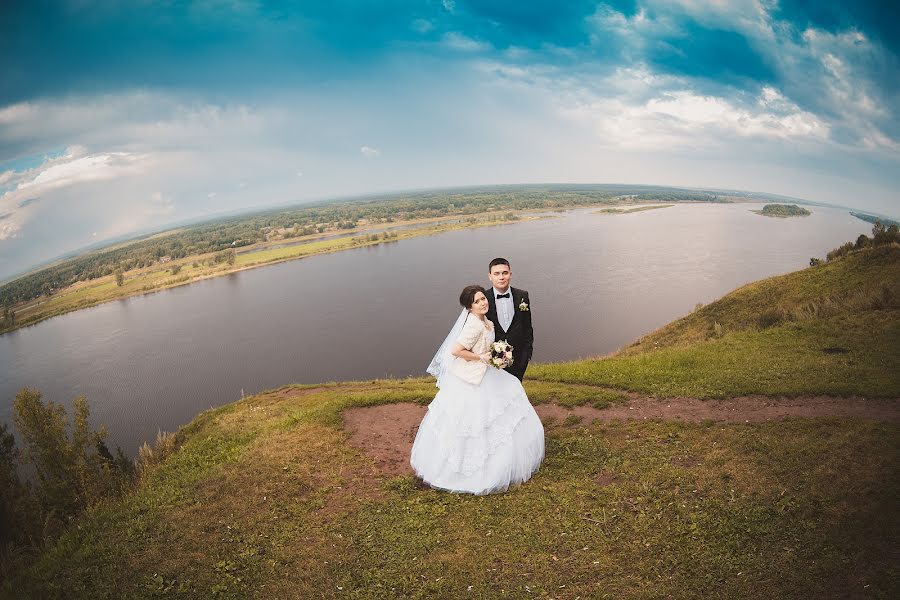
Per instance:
x=267, y=498
x=830, y=329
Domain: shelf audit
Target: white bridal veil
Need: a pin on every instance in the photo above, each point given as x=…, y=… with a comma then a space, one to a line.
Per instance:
x=442, y=359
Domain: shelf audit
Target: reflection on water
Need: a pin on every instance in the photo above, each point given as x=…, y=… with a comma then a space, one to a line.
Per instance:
x=596, y=282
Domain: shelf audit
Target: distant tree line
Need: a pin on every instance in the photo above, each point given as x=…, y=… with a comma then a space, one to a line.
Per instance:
x=235, y=232
x=677, y=197
x=873, y=219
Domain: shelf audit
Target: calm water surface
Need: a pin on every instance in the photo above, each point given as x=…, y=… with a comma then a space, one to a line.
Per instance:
x=596, y=282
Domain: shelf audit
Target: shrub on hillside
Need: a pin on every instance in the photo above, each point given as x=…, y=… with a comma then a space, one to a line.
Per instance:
x=73, y=468
x=70, y=467
x=148, y=456
x=840, y=251
x=881, y=235
x=770, y=318
x=887, y=235
x=12, y=489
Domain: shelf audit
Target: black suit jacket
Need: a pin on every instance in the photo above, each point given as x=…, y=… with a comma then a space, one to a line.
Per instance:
x=520, y=333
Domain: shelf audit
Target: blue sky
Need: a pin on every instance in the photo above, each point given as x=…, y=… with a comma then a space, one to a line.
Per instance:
x=119, y=116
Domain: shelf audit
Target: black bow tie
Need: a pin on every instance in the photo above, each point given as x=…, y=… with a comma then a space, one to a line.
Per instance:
x=506, y=295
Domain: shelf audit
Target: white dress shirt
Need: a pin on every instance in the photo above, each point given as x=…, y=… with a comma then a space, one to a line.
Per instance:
x=504, y=308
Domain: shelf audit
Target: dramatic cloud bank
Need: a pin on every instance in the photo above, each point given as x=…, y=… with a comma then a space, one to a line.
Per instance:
x=120, y=118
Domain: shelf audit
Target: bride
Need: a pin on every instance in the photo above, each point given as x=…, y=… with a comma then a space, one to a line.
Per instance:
x=480, y=435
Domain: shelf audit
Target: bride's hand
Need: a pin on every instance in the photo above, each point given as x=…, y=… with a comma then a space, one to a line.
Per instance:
x=486, y=357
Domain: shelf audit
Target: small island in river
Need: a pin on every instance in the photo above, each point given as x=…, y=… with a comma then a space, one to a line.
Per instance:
x=782, y=211
x=625, y=211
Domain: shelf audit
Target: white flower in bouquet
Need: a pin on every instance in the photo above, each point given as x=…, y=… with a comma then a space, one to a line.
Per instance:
x=501, y=355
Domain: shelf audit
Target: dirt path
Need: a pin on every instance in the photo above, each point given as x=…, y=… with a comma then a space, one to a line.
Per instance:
x=386, y=432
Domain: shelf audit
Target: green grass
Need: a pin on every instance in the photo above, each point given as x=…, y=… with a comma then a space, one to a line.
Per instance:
x=265, y=499
x=690, y=512
x=864, y=280
x=540, y=392
x=793, y=359
x=830, y=329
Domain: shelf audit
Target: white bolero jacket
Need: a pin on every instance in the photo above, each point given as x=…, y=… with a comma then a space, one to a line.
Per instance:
x=477, y=338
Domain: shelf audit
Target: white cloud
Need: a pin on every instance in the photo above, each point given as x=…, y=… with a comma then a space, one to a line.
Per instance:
x=140, y=120
x=844, y=87
x=75, y=167
x=84, y=168
x=728, y=14
x=422, y=26
x=370, y=152
x=684, y=119
x=825, y=76
x=15, y=112
x=164, y=204
x=457, y=41
x=640, y=109
x=449, y=5
x=13, y=216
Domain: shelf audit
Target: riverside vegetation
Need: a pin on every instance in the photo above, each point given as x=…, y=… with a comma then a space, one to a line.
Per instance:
x=190, y=253
x=782, y=210
x=264, y=497
x=625, y=211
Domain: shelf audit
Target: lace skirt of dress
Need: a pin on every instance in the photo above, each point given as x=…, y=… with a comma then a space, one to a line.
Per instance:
x=478, y=439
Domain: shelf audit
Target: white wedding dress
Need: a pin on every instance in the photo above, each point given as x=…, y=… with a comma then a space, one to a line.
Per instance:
x=478, y=439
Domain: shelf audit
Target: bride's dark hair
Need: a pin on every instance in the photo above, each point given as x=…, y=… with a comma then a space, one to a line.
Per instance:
x=467, y=298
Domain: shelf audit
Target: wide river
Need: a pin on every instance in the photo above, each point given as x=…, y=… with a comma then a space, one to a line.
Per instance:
x=596, y=283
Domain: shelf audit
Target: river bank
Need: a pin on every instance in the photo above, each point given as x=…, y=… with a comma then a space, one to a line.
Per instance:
x=192, y=269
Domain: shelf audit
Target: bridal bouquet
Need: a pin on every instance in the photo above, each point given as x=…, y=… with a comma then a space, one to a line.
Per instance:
x=501, y=355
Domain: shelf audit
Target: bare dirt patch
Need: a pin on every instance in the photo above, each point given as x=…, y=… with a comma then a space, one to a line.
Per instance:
x=605, y=478
x=386, y=432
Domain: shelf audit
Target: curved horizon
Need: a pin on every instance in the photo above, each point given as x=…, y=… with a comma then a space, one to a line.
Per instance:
x=120, y=118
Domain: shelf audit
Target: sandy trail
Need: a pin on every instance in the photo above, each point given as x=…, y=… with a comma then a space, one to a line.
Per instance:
x=386, y=432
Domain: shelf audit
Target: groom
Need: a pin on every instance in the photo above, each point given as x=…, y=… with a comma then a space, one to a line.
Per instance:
x=510, y=310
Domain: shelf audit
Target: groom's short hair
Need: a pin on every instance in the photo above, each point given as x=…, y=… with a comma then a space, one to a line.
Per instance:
x=497, y=261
